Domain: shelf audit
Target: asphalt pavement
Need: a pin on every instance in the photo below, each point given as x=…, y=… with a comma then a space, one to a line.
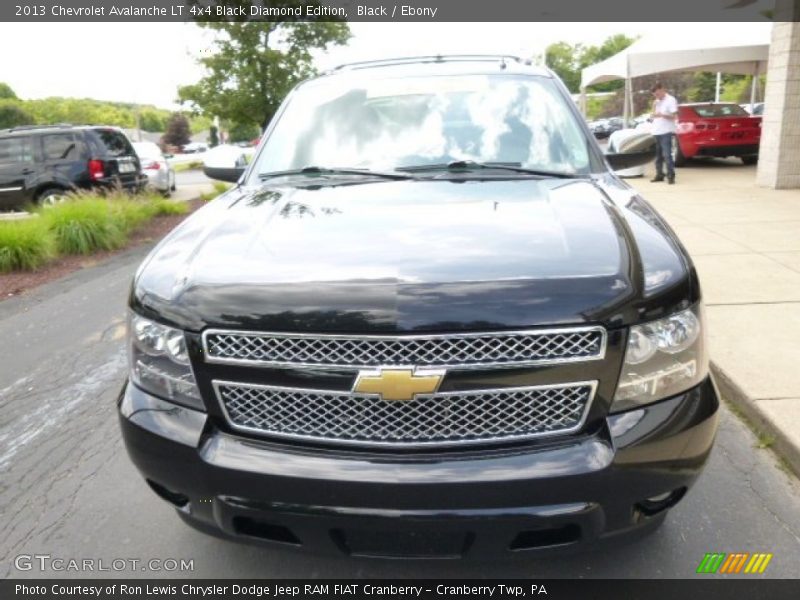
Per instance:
x=68, y=490
x=192, y=177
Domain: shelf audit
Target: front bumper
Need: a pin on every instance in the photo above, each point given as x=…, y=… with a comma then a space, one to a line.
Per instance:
x=558, y=495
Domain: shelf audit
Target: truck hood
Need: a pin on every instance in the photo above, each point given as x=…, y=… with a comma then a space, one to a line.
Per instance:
x=393, y=256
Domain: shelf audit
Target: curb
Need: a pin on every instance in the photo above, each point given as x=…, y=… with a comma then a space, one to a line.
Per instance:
x=783, y=446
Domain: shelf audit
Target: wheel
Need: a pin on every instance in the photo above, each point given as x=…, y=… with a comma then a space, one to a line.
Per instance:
x=173, y=187
x=749, y=160
x=677, y=155
x=51, y=196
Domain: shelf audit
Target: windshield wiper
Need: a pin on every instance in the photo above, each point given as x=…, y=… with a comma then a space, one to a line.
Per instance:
x=470, y=165
x=322, y=171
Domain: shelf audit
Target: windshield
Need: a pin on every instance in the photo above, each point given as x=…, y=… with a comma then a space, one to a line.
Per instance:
x=390, y=123
x=721, y=110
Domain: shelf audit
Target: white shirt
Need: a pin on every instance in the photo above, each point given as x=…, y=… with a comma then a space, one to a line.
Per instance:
x=666, y=106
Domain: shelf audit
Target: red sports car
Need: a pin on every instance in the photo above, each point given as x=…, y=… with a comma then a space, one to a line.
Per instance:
x=716, y=129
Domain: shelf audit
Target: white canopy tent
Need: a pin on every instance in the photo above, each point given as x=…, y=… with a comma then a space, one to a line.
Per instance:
x=723, y=49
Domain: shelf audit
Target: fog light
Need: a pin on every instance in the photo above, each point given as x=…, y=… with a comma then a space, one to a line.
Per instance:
x=175, y=498
x=660, y=502
x=659, y=498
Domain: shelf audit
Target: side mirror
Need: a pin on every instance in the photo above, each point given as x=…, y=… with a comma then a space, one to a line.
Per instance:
x=229, y=174
x=627, y=160
x=225, y=163
x=631, y=148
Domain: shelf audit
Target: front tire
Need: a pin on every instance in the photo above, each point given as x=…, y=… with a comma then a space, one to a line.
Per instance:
x=749, y=160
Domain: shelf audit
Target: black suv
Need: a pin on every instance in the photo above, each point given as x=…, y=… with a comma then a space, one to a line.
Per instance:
x=428, y=321
x=41, y=163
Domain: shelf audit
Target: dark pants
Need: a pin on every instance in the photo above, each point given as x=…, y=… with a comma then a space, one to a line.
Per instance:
x=664, y=153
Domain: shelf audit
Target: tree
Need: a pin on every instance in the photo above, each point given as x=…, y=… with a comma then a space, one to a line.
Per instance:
x=255, y=64
x=243, y=132
x=564, y=60
x=13, y=115
x=152, y=120
x=178, y=132
x=6, y=93
x=568, y=60
x=678, y=84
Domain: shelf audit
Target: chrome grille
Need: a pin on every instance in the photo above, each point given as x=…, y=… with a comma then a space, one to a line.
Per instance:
x=440, y=418
x=447, y=350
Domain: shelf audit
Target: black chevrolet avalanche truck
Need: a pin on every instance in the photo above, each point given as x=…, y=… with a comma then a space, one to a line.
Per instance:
x=428, y=321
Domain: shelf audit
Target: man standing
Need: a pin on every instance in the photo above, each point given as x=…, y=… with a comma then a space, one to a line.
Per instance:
x=665, y=111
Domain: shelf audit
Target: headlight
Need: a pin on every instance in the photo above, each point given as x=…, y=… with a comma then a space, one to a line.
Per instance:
x=159, y=362
x=663, y=358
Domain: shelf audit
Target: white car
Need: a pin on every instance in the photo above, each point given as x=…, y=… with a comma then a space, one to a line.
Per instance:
x=631, y=140
x=195, y=148
x=160, y=174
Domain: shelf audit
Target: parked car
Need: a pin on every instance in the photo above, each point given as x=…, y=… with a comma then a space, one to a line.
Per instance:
x=603, y=128
x=428, y=320
x=194, y=147
x=40, y=164
x=599, y=128
x=155, y=165
x=633, y=140
x=716, y=129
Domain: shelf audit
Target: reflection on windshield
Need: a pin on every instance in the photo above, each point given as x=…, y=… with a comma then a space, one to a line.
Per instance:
x=391, y=123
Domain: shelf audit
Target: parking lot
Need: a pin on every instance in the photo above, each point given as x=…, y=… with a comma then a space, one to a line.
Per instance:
x=68, y=489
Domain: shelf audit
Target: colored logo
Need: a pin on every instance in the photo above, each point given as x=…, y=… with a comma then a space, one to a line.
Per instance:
x=398, y=384
x=736, y=563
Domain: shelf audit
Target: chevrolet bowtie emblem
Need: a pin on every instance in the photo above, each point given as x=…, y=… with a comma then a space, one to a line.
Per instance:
x=398, y=383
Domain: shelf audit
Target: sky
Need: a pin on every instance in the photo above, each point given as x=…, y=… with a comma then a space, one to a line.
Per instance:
x=146, y=62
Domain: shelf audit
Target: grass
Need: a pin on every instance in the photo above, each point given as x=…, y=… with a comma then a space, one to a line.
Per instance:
x=131, y=212
x=25, y=245
x=83, y=224
x=163, y=207
x=86, y=224
x=219, y=188
x=765, y=441
x=187, y=166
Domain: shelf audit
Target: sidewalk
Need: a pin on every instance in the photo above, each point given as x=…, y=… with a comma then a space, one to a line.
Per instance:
x=745, y=242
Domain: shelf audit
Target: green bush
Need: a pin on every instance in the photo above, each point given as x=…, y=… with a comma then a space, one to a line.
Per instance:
x=164, y=207
x=140, y=209
x=24, y=245
x=82, y=224
x=129, y=214
x=85, y=224
x=220, y=187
